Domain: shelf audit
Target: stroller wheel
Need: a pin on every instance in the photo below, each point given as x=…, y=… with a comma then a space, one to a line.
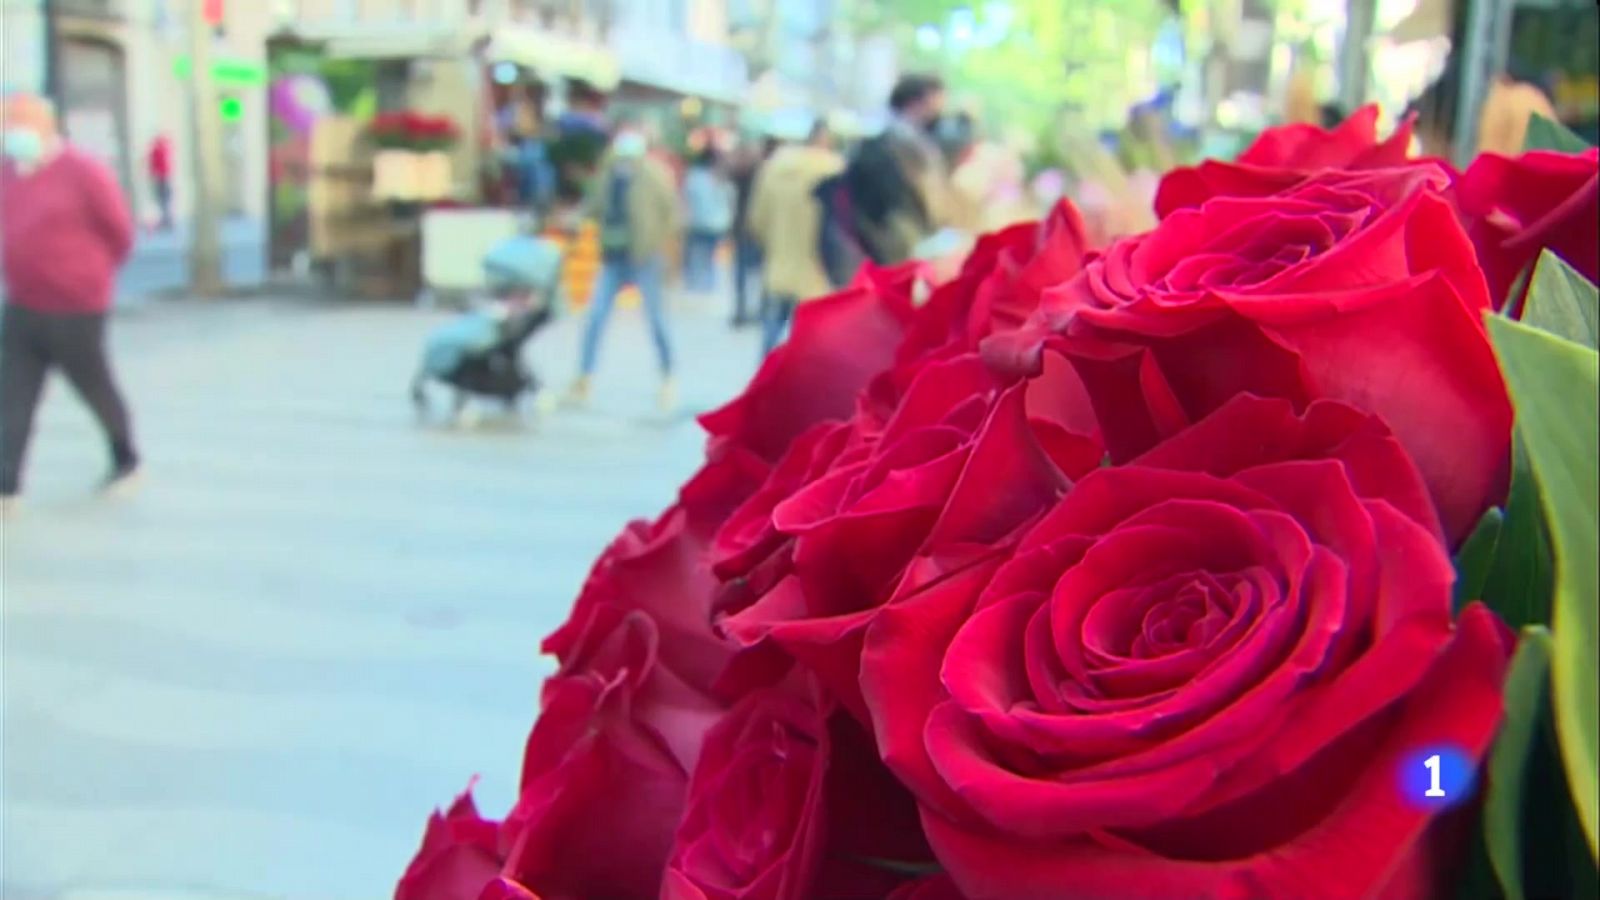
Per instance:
x=419, y=397
x=462, y=415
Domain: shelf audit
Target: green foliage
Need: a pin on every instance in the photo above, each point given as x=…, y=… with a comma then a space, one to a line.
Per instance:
x=1568, y=305
x=1476, y=556
x=1530, y=839
x=1508, y=564
x=1520, y=578
x=1051, y=57
x=1555, y=388
x=1544, y=134
x=1525, y=698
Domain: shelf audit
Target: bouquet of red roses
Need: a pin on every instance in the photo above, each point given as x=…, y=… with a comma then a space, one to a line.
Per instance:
x=414, y=131
x=1251, y=556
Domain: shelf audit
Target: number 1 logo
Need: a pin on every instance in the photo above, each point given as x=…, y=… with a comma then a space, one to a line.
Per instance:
x=1437, y=776
x=1434, y=790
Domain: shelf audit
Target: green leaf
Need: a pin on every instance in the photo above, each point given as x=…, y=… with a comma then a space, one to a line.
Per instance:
x=902, y=867
x=1526, y=681
x=1476, y=556
x=1516, y=299
x=1555, y=391
x=1544, y=134
x=1563, y=302
x=1521, y=579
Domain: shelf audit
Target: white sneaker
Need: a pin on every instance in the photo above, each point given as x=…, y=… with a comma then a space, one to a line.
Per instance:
x=122, y=483
x=577, y=394
x=667, y=399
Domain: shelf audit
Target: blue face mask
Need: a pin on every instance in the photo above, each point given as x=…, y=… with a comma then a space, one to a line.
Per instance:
x=24, y=145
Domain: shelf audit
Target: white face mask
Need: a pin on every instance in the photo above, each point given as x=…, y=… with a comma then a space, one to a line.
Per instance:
x=24, y=145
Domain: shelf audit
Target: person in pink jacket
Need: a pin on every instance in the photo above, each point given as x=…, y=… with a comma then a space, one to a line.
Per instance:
x=65, y=229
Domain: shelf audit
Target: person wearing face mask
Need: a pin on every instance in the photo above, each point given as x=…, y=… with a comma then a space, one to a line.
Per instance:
x=638, y=212
x=64, y=231
x=917, y=127
x=892, y=195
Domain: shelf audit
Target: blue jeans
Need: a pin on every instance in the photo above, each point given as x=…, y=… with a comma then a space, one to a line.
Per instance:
x=775, y=315
x=615, y=274
x=746, y=268
x=700, y=261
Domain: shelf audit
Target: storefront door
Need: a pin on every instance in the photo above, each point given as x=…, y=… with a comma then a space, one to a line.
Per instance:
x=95, y=103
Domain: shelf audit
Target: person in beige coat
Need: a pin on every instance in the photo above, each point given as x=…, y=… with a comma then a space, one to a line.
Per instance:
x=785, y=220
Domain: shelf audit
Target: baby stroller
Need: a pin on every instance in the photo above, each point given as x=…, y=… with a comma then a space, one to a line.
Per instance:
x=480, y=353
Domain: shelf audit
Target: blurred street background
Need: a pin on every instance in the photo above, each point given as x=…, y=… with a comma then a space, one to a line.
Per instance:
x=316, y=619
x=253, y=677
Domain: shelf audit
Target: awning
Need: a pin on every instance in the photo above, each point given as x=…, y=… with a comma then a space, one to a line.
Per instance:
x=396, y=41
x=555, y=55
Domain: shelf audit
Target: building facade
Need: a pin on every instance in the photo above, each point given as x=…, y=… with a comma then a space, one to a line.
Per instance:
x=123, y=65
x=121, y=71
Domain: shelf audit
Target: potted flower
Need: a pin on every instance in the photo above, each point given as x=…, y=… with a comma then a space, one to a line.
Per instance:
x=412, y=163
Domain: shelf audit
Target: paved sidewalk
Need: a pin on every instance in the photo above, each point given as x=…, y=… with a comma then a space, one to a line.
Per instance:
x=160, y=260
x=255, y=678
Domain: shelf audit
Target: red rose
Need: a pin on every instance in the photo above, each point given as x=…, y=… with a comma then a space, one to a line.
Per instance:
x=621, y=723
x=898, y=282
x=1359, y=287
x=503, y=888
x=838, y=343
x=459, y=855
x=779, y=804
x=1516, y=207
x=1282, y=156
x=607, y=763
x=1194, y=676
x=880, y=478
x=809, y=562
x=999, y=285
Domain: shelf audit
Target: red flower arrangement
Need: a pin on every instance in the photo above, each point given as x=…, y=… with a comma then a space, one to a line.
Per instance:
x=1121, y=573
x=409, y=130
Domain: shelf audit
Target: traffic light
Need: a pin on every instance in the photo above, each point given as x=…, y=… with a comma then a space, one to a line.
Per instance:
x=213, y=12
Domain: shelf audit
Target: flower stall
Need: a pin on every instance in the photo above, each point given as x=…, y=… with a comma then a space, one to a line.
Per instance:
x=389, y=132
x=1248, y=556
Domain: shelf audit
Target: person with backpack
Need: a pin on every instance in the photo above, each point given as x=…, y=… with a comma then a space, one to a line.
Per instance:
x=638, y=213
x=892, y=194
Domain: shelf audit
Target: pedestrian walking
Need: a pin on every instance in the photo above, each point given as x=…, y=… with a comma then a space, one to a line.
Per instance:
x=709, y=198
x=893, y=194
x=159, y=163
x=914, y=204
x=784, y=220
x=65, y=230
x=638, y=221
x=746, y=250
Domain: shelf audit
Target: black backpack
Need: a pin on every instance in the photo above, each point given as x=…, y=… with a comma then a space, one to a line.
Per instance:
x=616, y=234
x=857, y=203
